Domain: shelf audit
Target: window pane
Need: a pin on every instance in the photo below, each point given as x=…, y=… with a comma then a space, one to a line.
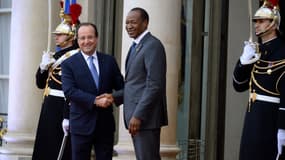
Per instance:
x=4, y=95
x=5, y=25
x=5, y=21
x=5, y=3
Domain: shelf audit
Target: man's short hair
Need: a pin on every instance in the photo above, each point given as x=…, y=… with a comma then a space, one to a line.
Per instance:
x=87, y=24
x=144, y=14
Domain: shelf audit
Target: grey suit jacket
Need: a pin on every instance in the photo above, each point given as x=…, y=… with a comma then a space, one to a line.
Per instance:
x=145, y=85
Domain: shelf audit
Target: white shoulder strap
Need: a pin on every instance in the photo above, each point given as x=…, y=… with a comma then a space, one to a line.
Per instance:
x=64, y=57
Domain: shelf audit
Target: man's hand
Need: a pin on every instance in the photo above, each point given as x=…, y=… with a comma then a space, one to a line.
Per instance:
x=104, y=100
x=65, y=126
x=280, y=140
x=134, y=126
x=47, y=60
x=249, y=54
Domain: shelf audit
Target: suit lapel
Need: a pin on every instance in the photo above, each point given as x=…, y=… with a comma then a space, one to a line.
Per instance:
x=101, y=63
x=130, y=58
x=137, y=50
x=85, y=68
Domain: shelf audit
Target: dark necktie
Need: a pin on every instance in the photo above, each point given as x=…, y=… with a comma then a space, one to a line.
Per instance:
x=133, y=47
x=93, y=70
x=131, y=54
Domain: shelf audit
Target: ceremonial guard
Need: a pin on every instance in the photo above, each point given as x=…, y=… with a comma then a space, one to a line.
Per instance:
x=261, y=70
x=53, y=123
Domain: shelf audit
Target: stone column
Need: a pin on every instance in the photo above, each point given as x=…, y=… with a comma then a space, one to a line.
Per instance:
x=164, y=24
x=29, y=36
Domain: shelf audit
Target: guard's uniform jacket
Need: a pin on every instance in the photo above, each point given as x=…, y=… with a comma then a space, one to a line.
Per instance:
x=265, y=80
x=54, y=109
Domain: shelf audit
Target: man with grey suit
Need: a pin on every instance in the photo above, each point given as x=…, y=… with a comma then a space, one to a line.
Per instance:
x=144, y=92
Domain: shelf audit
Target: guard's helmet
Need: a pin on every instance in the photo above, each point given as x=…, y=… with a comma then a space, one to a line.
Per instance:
x=268, y=11
x=69, y=21
x=64, y=28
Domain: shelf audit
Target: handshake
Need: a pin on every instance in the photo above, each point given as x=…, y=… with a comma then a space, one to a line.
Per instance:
x=104, y=100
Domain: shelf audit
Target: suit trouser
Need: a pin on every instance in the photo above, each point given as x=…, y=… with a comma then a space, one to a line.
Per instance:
x=147, y=144
x=102, y=142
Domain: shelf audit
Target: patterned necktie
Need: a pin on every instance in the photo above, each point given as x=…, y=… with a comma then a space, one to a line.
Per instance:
x=133, y=47
x=131, y=53
x=93, y=70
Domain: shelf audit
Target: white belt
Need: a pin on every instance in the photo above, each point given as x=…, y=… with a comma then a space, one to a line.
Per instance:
x=255, y=96
x=55, y=92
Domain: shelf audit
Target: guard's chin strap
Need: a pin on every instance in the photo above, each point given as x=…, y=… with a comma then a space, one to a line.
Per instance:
x=69, y=39
x=266, y=30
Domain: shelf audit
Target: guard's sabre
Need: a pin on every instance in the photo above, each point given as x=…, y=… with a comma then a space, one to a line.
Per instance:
x=49, y=25
x=250, y=20
x=277, y=158
x=61, y=151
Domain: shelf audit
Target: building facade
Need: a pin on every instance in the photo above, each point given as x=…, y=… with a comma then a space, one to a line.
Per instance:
x=203, y=40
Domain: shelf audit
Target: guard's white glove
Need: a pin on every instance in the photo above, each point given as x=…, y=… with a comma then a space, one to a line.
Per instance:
x=249, y=54
x=65, y=126
x=280, y=140
x=47, y=60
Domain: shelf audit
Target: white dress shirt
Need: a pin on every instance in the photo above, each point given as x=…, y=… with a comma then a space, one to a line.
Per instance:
x=95, y=61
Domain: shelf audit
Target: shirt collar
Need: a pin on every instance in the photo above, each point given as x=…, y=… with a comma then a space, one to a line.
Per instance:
x=140, y=37
x=86, y=56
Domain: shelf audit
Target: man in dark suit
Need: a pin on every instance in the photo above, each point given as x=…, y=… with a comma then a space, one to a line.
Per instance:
x=144, y=93
x=86, y=75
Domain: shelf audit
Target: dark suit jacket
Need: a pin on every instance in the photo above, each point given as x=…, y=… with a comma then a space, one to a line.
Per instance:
x=145, y=85
x=79, y=87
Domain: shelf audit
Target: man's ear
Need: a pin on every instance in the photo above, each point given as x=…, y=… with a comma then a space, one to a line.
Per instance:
x=145, y=23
